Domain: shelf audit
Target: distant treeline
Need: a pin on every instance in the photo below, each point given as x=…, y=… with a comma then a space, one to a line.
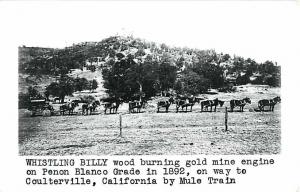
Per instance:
x=134, y=66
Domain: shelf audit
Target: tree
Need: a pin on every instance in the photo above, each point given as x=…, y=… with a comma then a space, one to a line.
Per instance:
x=207, y=66
x=64, y=86
x=191, y=83
x=225, y=57
x=180, y=63
x=94, y=84
x=167, y=73
x=213, y=73
x=243, y=79
x=33, y=93
x=268, y=67
x=271, y=73
x=238, y=64
x=140, y=53
x=142, y=77
x=81, y=84
x=114, y=77
x=55, y=61
x=92, y=68
x=150, y=77
x=126, y=78
x=251, y=66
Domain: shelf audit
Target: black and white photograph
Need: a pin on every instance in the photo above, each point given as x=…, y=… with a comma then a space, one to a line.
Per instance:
x=149, y=96
x=183, y=85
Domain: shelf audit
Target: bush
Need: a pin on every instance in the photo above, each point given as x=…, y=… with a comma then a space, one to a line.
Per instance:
x=24, y=101
x=92, y=68
x=191, y=83
x=227, y=89
x=258, y=81
x=88, y=99
x=46, y=113
x=242, y=79
x=24, y=98
x=273, y=81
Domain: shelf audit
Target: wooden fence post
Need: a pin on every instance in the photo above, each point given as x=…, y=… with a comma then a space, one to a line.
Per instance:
x=226, y=119
x=120, y=120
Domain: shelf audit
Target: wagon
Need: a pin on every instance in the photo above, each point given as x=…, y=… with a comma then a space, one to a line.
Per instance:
x=40, y=106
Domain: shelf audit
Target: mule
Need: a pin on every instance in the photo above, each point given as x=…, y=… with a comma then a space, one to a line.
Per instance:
x=68, y=107
x=113, y=107
x=239, y=103
x=165, y=104
x=112, y=104
x=185, y=102
x=89, y=107
x=268, y=102
x=211, y=103
x=135, y=105
x=198, y=99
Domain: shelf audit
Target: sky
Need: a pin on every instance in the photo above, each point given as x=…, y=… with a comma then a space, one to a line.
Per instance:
x=259, y=30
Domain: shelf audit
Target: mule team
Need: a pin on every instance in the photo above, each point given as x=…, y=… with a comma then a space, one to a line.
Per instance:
x=182, y=104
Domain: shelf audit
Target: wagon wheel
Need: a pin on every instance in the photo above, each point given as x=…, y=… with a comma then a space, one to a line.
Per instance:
x=44, y=110
x=33, y=111
x=49, y=108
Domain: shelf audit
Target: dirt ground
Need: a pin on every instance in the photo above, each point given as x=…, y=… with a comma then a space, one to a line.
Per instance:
x=151, y=133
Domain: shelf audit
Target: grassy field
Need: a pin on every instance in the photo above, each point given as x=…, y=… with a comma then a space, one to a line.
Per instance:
x=151, y=133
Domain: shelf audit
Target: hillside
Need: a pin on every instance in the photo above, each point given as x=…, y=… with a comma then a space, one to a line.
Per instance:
x=82, y=54
x=39, y=67
x=41, y=82
x=27, y=54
